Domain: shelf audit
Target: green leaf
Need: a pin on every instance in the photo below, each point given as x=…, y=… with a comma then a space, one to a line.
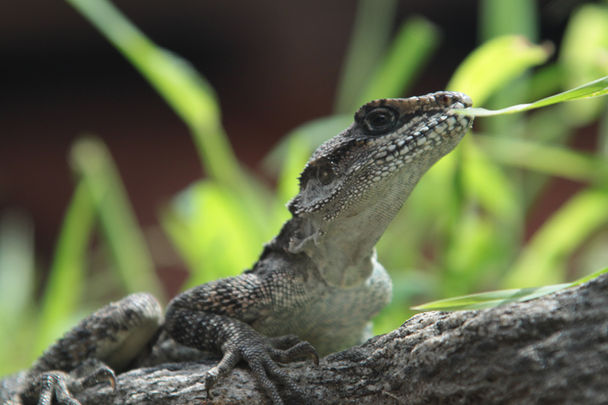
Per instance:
x=544, y=158
x=595, y=88
x=369, y=39
x=499, y=17
x=495, y=298
x=193, y=99
x=489, y=299
x=583, y=57
x=99, y=177
x=408, y=53
x=494, y=64
x=589, y=277
x=478, y=247
x=215, y=231
x=16, y=290
x=16, y=264
x=543, y=258
x=66, y=276
x=486, y=182
x=184, y=89
x=484, y=72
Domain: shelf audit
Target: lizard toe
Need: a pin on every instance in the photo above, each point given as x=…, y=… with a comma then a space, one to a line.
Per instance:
x=103, y=374
x=261, y=357
x=279, y=374
x=258, y=369
x=284, y=341
x=55, y=384
x=225, y=366
x=300, y=351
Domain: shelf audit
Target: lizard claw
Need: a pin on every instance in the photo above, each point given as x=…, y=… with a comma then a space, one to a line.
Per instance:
x=299, y=351
x=63, y=386
x=210, y=380
x=261, y=354
x=53, y=384
x=221, y=369
x=102, y=374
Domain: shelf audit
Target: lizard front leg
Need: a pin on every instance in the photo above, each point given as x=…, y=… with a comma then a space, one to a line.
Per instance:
x=217, y=316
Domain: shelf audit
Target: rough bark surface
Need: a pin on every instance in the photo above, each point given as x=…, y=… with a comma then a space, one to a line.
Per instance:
x=552, y=350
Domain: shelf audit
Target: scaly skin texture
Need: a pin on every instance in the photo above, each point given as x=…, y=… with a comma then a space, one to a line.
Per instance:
x=316, y=285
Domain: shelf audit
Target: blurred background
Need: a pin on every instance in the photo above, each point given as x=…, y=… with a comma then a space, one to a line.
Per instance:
x=100, y=175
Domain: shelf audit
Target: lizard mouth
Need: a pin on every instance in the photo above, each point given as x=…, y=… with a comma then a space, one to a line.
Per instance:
x=426, y=127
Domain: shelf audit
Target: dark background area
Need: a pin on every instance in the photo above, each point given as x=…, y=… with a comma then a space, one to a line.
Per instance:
x=274, y=65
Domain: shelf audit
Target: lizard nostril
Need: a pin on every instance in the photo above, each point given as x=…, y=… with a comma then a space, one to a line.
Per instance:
x=466, y=100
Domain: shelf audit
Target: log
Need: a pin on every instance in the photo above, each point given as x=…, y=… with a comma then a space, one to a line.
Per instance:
x=551, y=350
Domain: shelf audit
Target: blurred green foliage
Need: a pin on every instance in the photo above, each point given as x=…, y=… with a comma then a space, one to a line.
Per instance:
x=463, y=229
x=494, y=298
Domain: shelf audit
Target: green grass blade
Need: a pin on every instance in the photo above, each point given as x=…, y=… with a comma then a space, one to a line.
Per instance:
x=583, y=57
x=489, y=299
x=185, y=90
x=514, y=17
x=495, y=298
x=409, y=52
x=16, y=263
x=369, y=39
x=484, y=72
x=133, y=264
x=590, y=277
x=192, y=98
x=499, y=17
x=603, y=138
x=494, y=64
x=546, y=80
x=544, y=158
x=595, y=88
x=543, y=258
x=486, y=182
x=16, y=290
x=65, y=284
x=206, y=219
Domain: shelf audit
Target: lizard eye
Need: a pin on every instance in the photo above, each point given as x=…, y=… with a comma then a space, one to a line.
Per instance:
x=379, y=120
x=325, y=174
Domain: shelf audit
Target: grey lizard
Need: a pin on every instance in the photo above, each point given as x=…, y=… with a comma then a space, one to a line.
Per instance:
x=315, y=287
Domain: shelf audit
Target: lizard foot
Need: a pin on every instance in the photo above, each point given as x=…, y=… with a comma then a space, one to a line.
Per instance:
x=261, y=354
x=62, y=386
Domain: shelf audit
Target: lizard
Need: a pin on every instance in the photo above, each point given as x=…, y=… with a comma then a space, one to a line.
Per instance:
x=313, y=290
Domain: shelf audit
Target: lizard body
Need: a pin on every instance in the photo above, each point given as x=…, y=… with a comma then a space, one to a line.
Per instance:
x=317, y=284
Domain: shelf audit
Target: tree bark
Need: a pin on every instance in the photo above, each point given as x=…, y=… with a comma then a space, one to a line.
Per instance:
x=551, y=350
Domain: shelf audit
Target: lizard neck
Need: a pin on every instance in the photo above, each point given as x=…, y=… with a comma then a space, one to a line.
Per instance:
x=344, y=250
x=340, y=258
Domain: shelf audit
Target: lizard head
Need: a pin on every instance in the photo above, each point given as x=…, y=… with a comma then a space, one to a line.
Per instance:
x=356, y=182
